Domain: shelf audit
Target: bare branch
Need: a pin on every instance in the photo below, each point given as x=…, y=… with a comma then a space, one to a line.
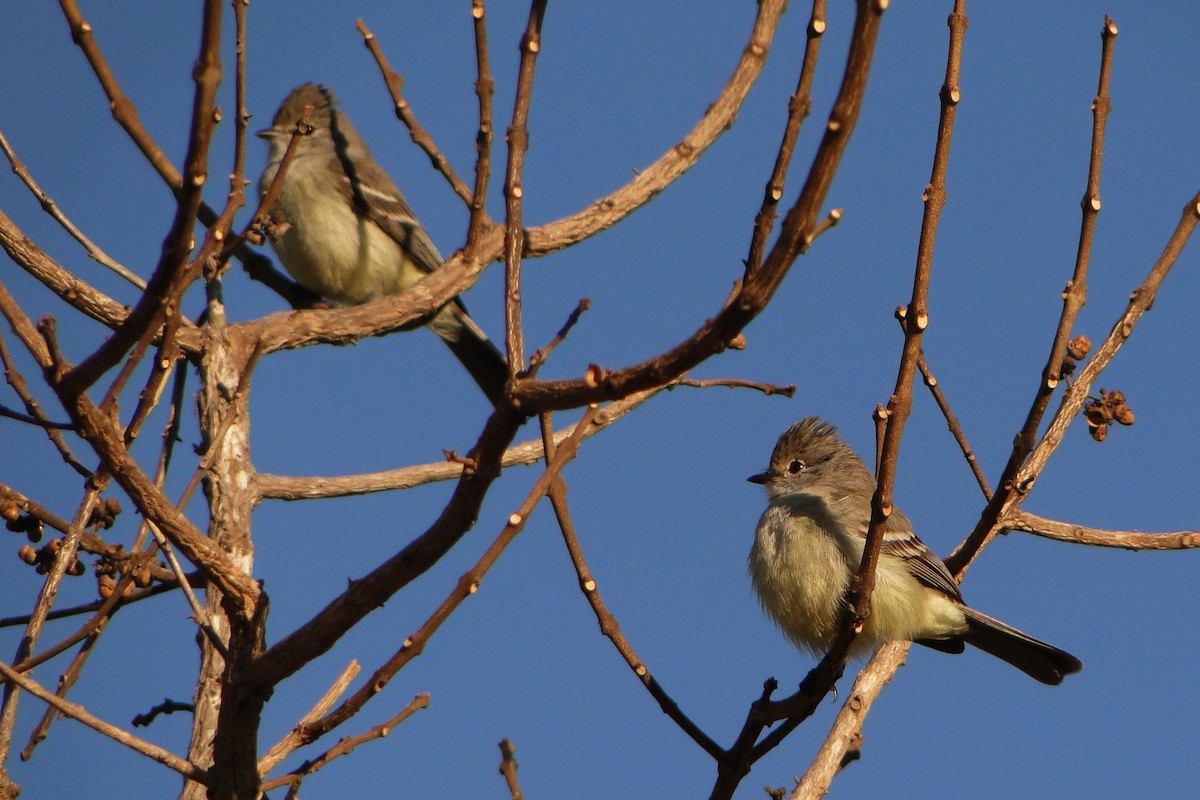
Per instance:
x=752, y=295
x=45, y=600
x=611, y=629
x=798, y=108
x=280, y=487
x=347, y=745
x=819, y=681
x=36, y=416
x=159, y=304
x=295, y=738
x=50, y=207
x=952, y=423
x=1013, y=493
x=167, y=706
x=420, y=136
x=539, y=357
x=847, y=727
x=736, y=383
x=79, y=714
x=514, y=192
x=1074, y=297
x=484, y=91
x=109, y=445
x=914, y=320
x=649, y=182
x=1021, y=520
x=79, y=294
x=508, y=768
x=65, y=681
x=466, y=586
x=99, y=605
x=198, y=612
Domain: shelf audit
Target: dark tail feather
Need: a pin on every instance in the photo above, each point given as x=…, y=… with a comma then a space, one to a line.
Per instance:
x=1038, y=660
x=472, y=347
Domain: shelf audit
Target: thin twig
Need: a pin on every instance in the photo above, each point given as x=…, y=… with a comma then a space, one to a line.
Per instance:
x=79, y=714
x=792, y=241
x=45, y=600
x=106, y=439
x=467, y=585
x=484, y=91
x=508, y=768
x=952, y=423
x=753, y=293
x=611, y=629
x=347, y=745
x=678, y=159
x=798, y=108
x=915, y=320
x=280, y=487
x=50, y=207
x=295, y=737
x=167, y=706
x=89, y=633
x=124, y=112
x=514, y=192
x=251, y=231
x=737, y=383
x=420, y=136
x=65, y=681
x=37, y=422
x=198, y=612
x=159, y=305
x=822, y=677
x=99, y=605
x=830, y=220
x=1074, y=297
x=241, y=119
x=38, y=417
x=540, y=355
x=170, y=434
x=1140, y=301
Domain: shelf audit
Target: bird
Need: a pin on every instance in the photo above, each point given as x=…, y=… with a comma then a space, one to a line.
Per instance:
x=350, y=236
x=809, y=543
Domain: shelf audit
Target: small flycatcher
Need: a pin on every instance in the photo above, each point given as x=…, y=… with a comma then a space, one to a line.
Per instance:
x=809, y=543
x=351, y=236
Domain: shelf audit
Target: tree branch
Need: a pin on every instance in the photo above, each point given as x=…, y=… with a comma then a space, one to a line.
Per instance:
x=649, y=182
x=1074, y=296
x=1021, y=520
x=79, y=714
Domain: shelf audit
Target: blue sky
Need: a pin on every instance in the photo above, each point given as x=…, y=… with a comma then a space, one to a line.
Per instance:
x=660, y=499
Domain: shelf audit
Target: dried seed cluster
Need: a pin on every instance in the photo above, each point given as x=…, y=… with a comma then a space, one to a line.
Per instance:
x=1101, y=412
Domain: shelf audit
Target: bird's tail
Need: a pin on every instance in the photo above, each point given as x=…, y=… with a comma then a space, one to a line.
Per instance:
x=1040, y=661
x=473, y=348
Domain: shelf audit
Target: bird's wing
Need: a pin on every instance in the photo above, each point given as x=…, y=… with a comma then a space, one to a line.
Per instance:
x=377, y=197
x=900, y=541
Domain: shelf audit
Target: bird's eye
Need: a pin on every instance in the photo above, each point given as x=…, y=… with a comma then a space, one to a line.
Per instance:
x=796, y=466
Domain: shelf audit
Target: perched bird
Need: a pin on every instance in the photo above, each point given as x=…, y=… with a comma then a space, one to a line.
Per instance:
x=350, y=235
x=809, y=543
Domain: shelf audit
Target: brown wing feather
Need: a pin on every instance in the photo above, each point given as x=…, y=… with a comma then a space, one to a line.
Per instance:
x=900, y=541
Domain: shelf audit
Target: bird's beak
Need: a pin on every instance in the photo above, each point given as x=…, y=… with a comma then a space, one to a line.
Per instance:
x=761, y=478
x=266, y=133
